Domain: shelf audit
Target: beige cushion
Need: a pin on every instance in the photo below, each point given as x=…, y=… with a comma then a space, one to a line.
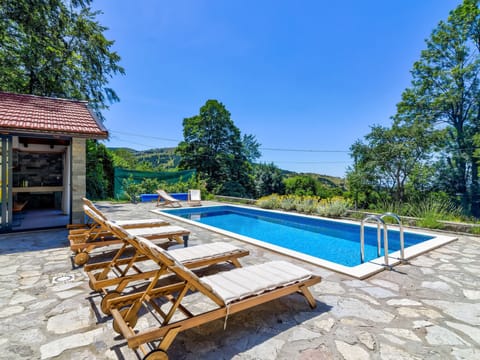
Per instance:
x=203, y=251
x=240, y=283
x=138, y=222
x=157, y=230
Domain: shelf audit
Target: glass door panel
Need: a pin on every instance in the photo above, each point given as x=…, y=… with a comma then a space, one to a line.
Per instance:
x=5, y=183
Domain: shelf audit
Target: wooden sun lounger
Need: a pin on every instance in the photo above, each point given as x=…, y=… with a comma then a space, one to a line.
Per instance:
x=120, y=272
x=232, y=291
x=99, y=234
x=167, y=199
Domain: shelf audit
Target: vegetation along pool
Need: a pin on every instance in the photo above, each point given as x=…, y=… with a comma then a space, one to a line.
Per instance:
x=334, y=244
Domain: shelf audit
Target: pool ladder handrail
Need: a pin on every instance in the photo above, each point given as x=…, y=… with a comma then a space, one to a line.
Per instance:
x=379, y=220
x=402, y=239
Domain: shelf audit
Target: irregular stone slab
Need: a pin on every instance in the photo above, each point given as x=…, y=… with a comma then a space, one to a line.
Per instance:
x=300, y=333
x=450, y=281
x=423, y=261
x=388, y=352
x=356, y=283
x=69, y=293
x=415, y=312
x=70, y=321
x=329, y=287
x=466, y=312
x=378, y=292
x=367, y=339
x=351, y=352
x=41, y=304
x=427, y=271
x=56, y=347
x=11, y=310
x=268, y=350
x=321, y=353
x=342, y=307
x=471, y=294
x=470, y=331
x=393, y=339
x=403, y=302
x=386, y=284
x=419, y=324
x=370, y=299
x=437, y=335
x=8, y=270
x=325, y=325
x=30, y=336
x=354, y=322
x=20, y=298
x=29, y=281
x=437, y=285
x=404, y=333
x=466, y=354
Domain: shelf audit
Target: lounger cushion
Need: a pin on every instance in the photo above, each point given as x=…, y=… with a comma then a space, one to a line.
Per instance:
x=240, y=283
x=158, y=230
x=203, y=251
x=154, y=251
x=138, y=222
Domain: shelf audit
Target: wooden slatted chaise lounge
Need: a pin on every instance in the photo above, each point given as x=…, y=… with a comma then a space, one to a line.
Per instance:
x=119, y=273
x=194, y=197
x=94, y=230
x=232, y=291
x=165, y=199
x=82, y=245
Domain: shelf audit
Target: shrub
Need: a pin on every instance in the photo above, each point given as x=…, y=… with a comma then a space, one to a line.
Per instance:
x=288, y=202
x=334, y=207
x=307, y=204
x=269, y=202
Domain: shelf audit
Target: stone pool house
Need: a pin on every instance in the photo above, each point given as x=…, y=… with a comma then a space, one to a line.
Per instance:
x=43, y=160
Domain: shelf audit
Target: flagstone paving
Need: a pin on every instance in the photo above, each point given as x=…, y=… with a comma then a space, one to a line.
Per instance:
x=426, y=309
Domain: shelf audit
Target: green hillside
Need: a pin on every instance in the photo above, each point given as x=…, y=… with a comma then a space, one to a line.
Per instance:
x=158, y=159
x=166, y=159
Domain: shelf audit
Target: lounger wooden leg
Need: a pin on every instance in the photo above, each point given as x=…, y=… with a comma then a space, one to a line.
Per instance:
x=308, y=295
x=236, y=263
x=168, y=338
x=185, y=240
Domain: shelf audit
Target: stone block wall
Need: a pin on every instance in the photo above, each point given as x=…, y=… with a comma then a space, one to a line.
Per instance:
x=79, y=173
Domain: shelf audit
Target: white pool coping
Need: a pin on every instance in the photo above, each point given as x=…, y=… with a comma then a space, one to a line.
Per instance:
x=361, y=271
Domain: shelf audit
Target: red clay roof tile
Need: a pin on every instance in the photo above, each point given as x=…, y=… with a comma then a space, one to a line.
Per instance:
x=39, y=114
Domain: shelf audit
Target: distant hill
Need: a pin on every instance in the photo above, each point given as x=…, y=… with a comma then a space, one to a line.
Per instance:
x=328, y=180
x=166, y=159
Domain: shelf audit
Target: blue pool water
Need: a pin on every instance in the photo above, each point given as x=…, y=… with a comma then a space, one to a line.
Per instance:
x=330, y=240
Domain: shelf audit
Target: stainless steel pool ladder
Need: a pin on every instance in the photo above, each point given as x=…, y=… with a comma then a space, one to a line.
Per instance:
x=380, y=222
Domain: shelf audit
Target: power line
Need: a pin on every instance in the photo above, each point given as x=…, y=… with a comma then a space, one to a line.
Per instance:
x=305, y=150
x=261, y=148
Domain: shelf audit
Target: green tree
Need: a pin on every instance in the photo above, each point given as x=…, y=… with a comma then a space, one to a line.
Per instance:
x=302, y=185
x=56, y=48
x=445, y=91
x=213, y=146
x=268, y=180
x=388, y=160
x=99, y=164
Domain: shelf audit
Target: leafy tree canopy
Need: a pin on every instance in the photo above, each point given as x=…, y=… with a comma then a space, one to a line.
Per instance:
x=56, y=48
x=213, y=145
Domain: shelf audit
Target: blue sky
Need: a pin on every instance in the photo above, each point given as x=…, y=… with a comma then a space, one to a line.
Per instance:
x=299, y=75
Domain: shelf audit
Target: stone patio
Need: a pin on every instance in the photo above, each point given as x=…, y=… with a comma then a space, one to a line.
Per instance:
x=427, y=309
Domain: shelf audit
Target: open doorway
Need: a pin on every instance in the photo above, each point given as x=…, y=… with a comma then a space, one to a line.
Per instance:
x=41, y=177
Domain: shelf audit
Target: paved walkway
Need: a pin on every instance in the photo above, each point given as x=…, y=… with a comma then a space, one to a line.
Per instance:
x=428, y=309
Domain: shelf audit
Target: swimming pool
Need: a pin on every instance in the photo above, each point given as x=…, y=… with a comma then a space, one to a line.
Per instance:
x=334, y=244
